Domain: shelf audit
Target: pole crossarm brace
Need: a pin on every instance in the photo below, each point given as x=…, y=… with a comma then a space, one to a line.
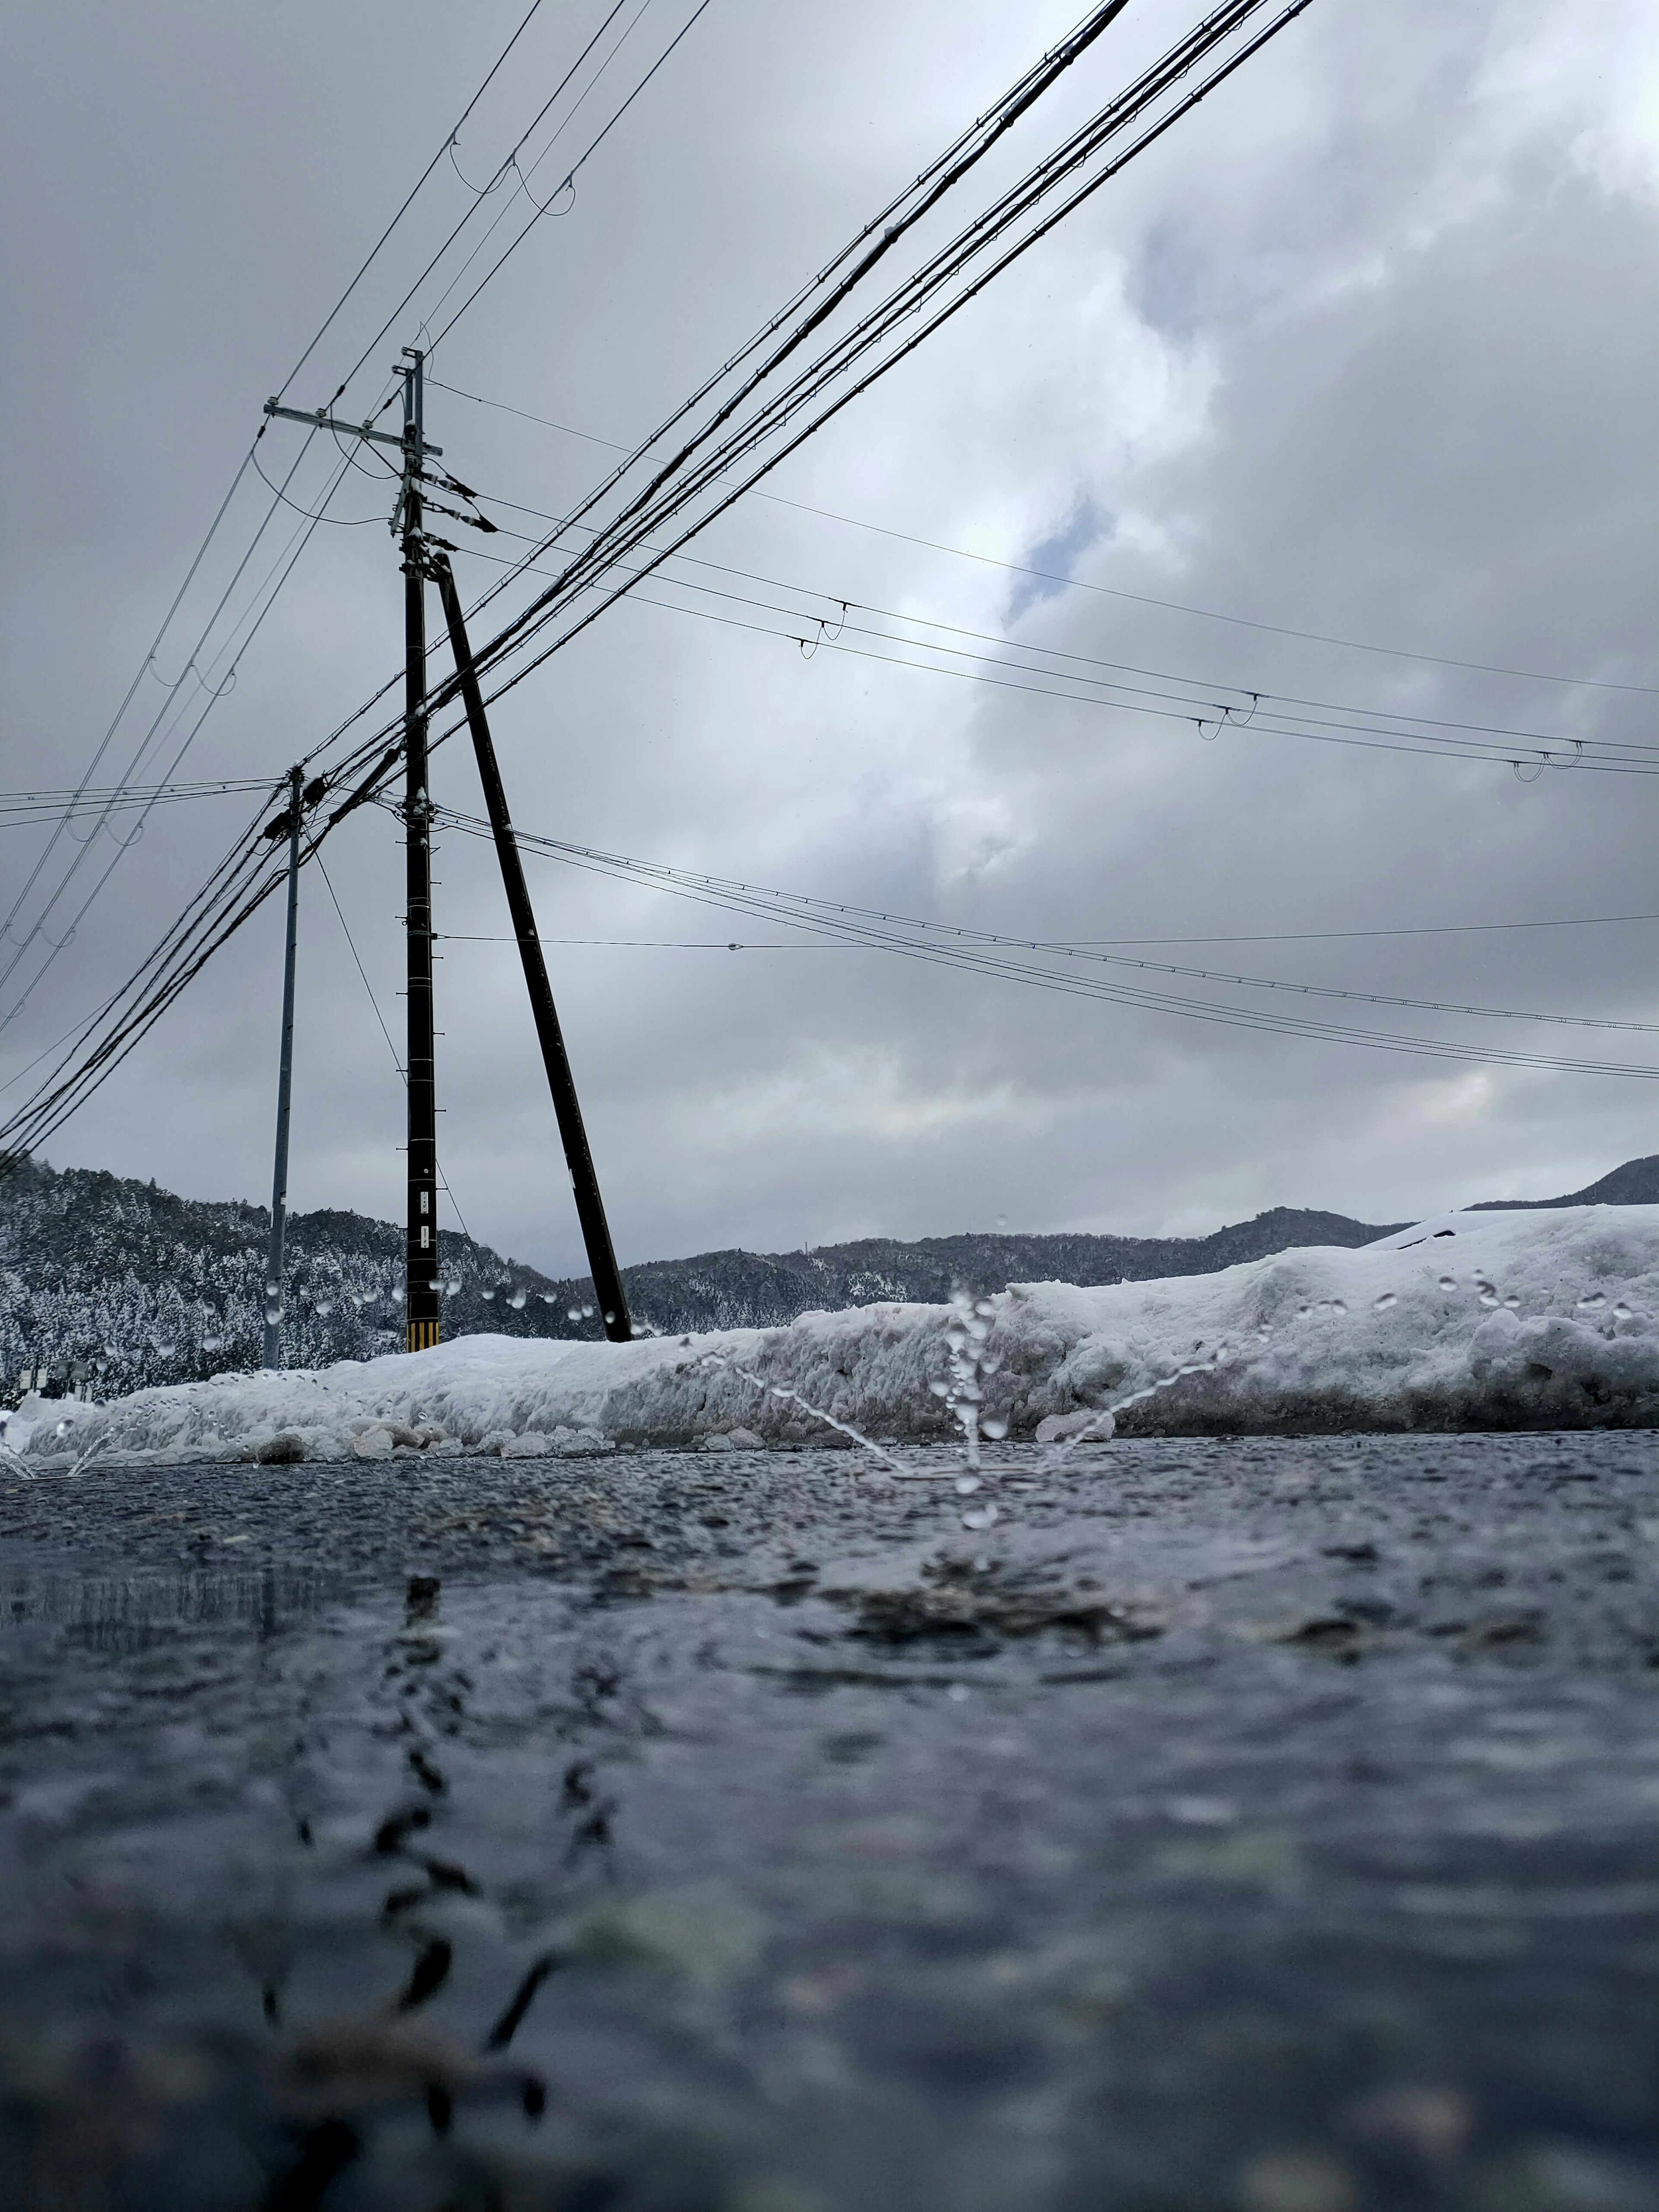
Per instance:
x=319, y=419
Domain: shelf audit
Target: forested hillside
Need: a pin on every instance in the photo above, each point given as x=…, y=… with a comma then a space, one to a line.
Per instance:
x=114, y=1285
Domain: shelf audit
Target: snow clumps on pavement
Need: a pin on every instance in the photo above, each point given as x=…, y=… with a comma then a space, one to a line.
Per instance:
x=1542, y=1319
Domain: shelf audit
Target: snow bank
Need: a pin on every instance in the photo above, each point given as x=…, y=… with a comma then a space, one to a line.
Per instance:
x=1534, y=1320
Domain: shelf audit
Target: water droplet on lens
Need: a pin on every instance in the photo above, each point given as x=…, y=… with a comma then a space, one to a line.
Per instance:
x=1489, y=1297
x=1591, y=1299
x=1389, y=1298
x=609, y=1320
x=1448, y=1282
x=956, y=1338
x=1513, y=1302
x=980, y=1516
x=489, y=1296
x=939, y=1387
x=273, y=1311
x=1621, y=1311
x=1302, y=1312
x=1339, y=1306
x=1002, y=1221
x=588, y=1313
x=575, y=1314
x=967, y=1484
x=324, y=1308
x=996, y=1428
x=517, y=1301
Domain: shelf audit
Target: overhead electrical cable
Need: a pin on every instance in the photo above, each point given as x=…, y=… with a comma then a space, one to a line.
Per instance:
x=286, y=563
x=454, y=133
x=571, y=175
x=502, y=168
x=1082, y=584
x=844, y=917
x=975, y=958
x=691, y=470
x=22, y=944
x=1465, y=740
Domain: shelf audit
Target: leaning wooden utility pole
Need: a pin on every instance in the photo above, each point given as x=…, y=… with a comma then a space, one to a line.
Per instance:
x=566, y=1108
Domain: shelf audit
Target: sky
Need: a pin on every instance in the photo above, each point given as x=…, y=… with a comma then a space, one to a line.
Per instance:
x=1341, y=393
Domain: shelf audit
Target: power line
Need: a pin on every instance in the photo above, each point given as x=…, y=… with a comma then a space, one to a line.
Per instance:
x=373, y=250
x=570, y=177
x=1078, y=583
x=1565, y=751
x=843, y=916
x=1413, y=743
x=501, y=172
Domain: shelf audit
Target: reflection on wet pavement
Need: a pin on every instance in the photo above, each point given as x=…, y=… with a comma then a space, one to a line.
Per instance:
x=1156, y=1862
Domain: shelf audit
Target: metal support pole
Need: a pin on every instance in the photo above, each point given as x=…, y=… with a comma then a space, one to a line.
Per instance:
x=275, y=1297
x=421, y=1265
x=584, y=1183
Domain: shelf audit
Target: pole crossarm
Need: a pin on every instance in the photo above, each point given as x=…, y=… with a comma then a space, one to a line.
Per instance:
x=320, y=419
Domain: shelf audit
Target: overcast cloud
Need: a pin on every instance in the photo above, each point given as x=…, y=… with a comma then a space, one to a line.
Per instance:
x=1366, y=347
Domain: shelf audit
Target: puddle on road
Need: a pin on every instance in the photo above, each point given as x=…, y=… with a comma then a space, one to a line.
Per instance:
x=116, y=1613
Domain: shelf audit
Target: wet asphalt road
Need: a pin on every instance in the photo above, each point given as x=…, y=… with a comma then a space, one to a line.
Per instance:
x=1270, y=1825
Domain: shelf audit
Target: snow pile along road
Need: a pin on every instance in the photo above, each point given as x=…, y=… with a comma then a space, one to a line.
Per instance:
x=1474, y=1321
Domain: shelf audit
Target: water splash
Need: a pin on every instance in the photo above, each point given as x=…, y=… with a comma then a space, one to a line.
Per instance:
x=782, y=1393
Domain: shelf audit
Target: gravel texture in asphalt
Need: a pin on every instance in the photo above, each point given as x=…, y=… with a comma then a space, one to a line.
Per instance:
x=1267, y=1826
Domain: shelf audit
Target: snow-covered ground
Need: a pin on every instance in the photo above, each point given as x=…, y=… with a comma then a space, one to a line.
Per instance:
x=1525, y=1320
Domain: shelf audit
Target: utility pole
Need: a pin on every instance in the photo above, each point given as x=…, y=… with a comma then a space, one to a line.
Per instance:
x=578, y=1159
x=421, y=1267
x=422, y=1327
x=275, y=1292
x=423, y=558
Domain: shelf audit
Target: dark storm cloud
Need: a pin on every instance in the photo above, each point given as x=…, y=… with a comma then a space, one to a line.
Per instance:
x=1366, y=348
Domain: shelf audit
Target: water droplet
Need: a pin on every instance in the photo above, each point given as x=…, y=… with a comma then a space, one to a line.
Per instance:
x=939, y=1387
x=273, y=1311
x=489, y=1296
x=324, y=1308
x=517, y=1301
x=967, y=1484
x=1339, y=1306
x=1302, y=1312
x=981, y=1517
x=955, y=1337
x=1513, y=1302
x=1591, y=1299
x=1448, y=1282
x=1388, y=1298
x=1621, y=1311
x=1002, y=1221
x=995, y=1428
x=211, y=1343
x=575, y=1314
x=588, y=1313
x=271, y=1288
x=549, y=1299
x=1489, y=1296
x=985, y=1307
x=610, y=1321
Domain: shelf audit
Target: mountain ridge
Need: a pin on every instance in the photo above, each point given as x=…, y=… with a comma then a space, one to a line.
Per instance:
x=113, y=1285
